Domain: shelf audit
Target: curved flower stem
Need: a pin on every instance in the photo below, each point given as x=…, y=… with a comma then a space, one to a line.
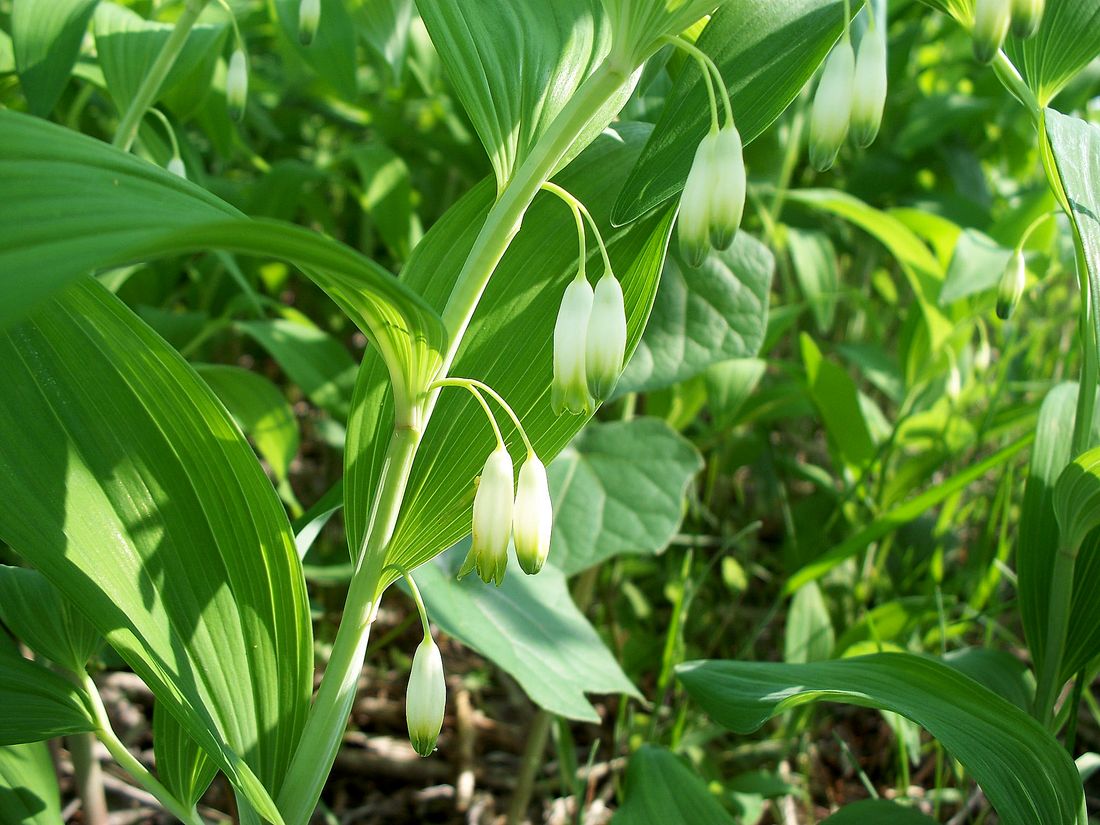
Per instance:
x=711, y=75
x=578, y=210
x=582, y=240
x=476, y=392
x=416, y=596
x=473, y=383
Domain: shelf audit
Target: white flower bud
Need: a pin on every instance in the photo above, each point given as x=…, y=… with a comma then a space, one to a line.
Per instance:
x=605, y=347
x=492, y=524
x=309, y=17
x=727, y=188
x=176, y=167
x=1027, y=15
x=869, y=96
x=533, y=518
x=991, y=21
x=236, y=84
x=832, y=107
x=1012, y=286
x=426, y=697
x=693, y=223
x=570, y=388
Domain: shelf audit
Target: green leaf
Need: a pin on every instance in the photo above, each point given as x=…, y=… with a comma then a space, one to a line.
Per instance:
x=260, y=410
x=38, y=704
x=703, y=316
x=997, y=670
x=766, y=51
x=729, y=386
x=1023, y=770
x=515, y=66
x=385, y=25
x=387, y=196
x=509, y=346
x=836, y=397
x=661, y=788
x=181, y=764
x=530, y=628
x=877, y=812
x=70, y=204
x=128, y=45
x=976, y=266
x=813, y=259
x=618, y=488
x=128, y=486
x=1067, y=41
x=332, y=52
x=1077, y=499
x=44, y=620
x=28, y=786
x=46, y=39
x=809, y=635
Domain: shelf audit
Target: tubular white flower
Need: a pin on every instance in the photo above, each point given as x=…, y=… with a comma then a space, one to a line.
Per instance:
x=832, y=107
x=176, y=167
x=1012, y=286
x=991, y=21
x=309, y=17
x=533, y=518
x=605, y=346
x=693, y=223
x=869, y=96
x=236, y=84
x=569, y=390
x=426, y=697
x=727, y=192
x=1027, y=15
x=492, y=522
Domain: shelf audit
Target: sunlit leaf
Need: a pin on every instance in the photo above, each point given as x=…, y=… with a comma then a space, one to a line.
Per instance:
x=28, y=786
x=46, y=39
x=661, y=788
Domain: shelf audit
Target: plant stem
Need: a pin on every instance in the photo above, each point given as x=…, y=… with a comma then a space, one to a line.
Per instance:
x=537, y=735
x=150, y=85
x=1049, y=685
x=89, y=779
x=129, y=762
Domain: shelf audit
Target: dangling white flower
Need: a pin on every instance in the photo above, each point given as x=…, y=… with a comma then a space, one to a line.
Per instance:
x=236, y=84
x=1027, y=15
x=569, y=390
x=533, y=518
x=605, y=345
x=1012, y=286
x=693, y=223
x=492, y=521
x=728, y=185
x=832, y=106
x=991, y=21
x=176, y=167
x=309, y=17
x=426, y=697
x=869, y=96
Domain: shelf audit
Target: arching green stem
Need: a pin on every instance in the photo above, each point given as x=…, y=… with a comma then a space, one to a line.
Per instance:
x=711, y=75
x=416, y=597
x=580, y=209
x=476, y=392
x=474, y=384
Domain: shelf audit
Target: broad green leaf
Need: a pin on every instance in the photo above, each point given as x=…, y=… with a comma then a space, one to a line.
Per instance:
x=997, y=670
x=181, y=764
x=1038, y=536
x=385, y=24
x=766, y=51
x=813, y=259
x=703, y=316
x=332, y=52
x=38, y=704
x=44, y=620
x=618, y=488
x=1024, y=772
x=1077, y=499
x=311, y=358
x=661, y=788
x=28, y=786
x=530, y=628
x=260, y=410
x=509, y=346
x=878, y=812
x=387, y=196
x=70, y=204
x=128, y=45
x=515, y=66
x=976, y=266
x=1067, y=41
x=46, y=39
x=808, y=635
x=125, y=482
x=836, y=397
x=729, y=385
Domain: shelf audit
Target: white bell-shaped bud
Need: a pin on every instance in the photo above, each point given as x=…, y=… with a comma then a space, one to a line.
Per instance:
x=869, y=95
x=426, y=697
x=492, y=522
x=832, y=106
x=236, y=84
x=728, y=184
x=176, y=167
x=992, y=19
x=605, y=346
x=309, y=17
x=1027, y=15
x=693, y=223
x=569, y=390
x=1012, y=286
x=533, y=518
